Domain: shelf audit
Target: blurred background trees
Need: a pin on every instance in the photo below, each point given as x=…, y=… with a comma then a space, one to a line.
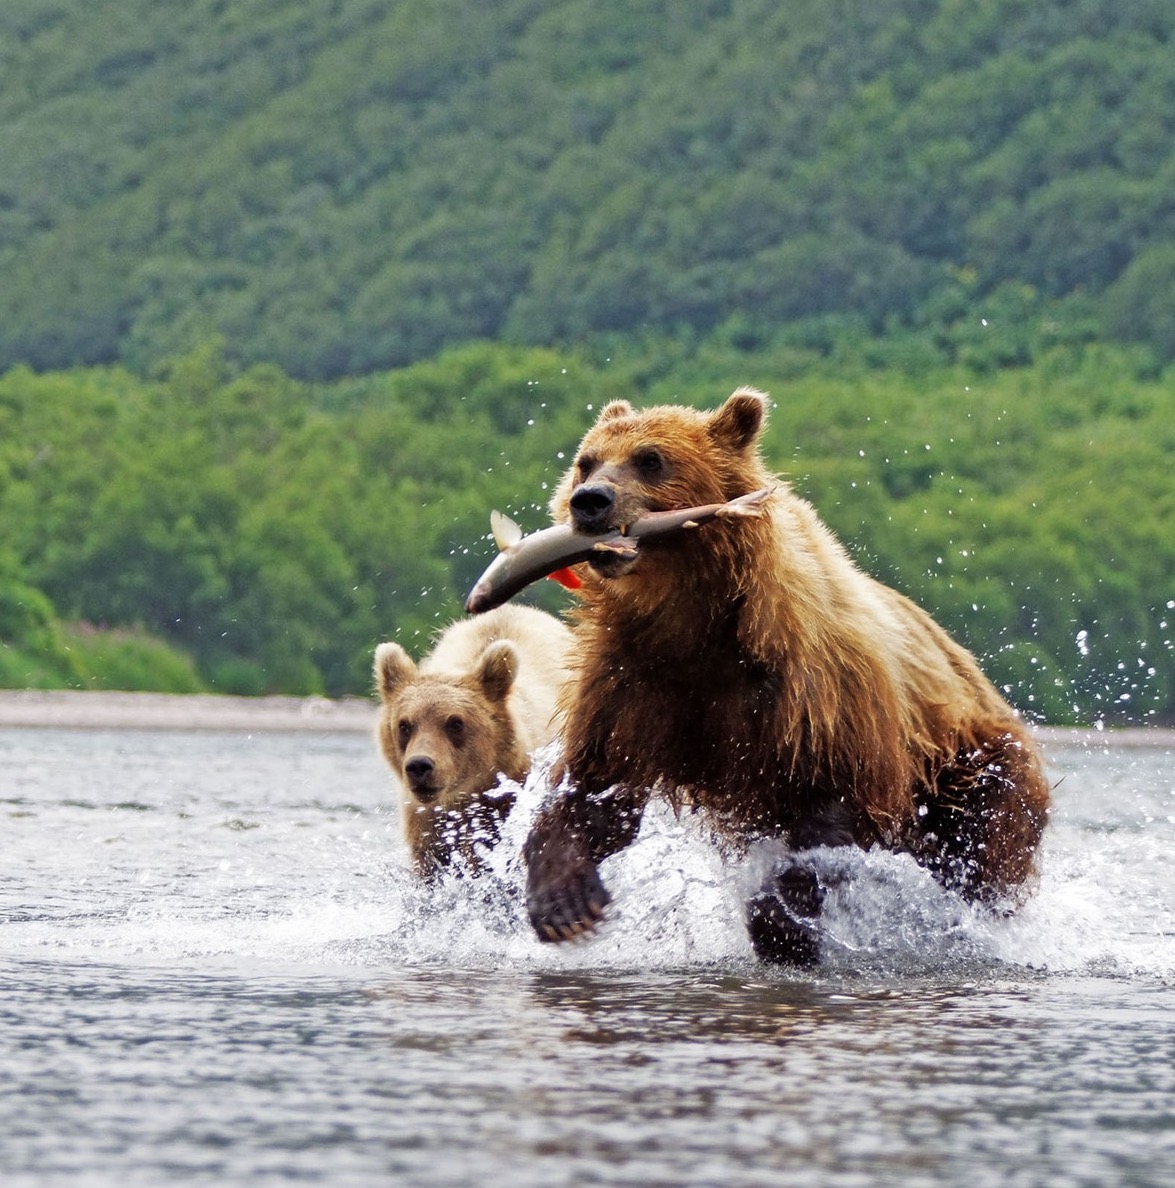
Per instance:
x=262, y=533
x=294, y=293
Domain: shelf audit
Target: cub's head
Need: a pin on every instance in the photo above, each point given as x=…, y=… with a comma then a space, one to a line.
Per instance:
x=659, y=459
x=446, y=736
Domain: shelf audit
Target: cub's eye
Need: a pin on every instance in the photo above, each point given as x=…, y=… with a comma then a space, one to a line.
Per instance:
x=455, y=728
x=404, y=730
x=584, y=465
x=650, y=464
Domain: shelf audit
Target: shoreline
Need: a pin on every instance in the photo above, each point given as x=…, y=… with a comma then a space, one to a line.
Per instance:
x=85, y=709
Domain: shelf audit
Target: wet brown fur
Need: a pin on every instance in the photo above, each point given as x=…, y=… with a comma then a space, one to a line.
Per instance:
x=752, y=671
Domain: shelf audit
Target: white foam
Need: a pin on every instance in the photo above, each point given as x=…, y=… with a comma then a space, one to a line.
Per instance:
x=284, y=892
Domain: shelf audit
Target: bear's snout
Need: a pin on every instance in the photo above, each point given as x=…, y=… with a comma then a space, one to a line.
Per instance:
x=591, y=506
x=418, y=770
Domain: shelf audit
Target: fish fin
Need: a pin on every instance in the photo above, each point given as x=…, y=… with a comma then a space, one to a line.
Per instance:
x=567, y=578
x=506, y=532
x=742, y=511
x=622, y=546
x=746, y=505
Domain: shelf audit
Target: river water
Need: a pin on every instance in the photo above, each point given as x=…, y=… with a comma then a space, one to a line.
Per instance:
x=217, y=969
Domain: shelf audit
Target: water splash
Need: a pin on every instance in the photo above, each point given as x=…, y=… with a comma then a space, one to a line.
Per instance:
x=160, y=876
x=678, y=903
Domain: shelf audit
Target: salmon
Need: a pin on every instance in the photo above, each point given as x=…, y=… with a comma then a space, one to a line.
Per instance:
x=551, y=552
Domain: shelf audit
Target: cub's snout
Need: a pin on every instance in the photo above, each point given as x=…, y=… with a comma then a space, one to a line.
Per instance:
x=420, y=776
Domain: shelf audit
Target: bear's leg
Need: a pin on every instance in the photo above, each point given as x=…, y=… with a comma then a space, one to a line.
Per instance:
x=477, y=828
x=979, y=831
x=783, y=915
x=571, y=835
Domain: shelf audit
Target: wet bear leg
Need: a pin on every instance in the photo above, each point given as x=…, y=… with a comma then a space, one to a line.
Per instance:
x=783, y=916
x=979, y=830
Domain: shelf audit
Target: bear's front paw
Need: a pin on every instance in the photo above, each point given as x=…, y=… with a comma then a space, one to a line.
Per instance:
x=569, y=906
x=783, y=917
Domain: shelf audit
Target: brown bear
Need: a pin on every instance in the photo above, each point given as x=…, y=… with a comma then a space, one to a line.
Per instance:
x=749, y=670
x=477, y=707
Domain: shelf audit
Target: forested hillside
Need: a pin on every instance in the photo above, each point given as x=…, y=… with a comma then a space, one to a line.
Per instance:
x=273, y=531
x=293, y=292
x=339, y=187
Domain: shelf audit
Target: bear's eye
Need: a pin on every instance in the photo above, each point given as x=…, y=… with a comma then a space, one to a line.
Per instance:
x=455, y=728
x=650, y=463
x=584, y=465
x=404, y=730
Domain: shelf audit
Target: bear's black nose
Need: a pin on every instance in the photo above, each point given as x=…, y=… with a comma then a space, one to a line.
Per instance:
x=419, y=771
x=591, y=506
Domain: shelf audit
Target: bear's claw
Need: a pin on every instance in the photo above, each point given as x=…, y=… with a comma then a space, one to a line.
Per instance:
x=570, y=911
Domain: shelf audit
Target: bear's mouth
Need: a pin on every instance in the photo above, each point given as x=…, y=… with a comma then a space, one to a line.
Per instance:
x=607, y=564
x=424, y=793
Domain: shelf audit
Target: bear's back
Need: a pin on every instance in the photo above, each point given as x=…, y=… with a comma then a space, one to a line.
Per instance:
x=542, y=643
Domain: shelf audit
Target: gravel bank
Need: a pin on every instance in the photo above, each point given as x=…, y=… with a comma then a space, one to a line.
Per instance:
x=160, y=711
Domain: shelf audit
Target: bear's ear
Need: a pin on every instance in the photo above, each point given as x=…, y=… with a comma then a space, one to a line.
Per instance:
x=614, y=409
x=737, y=424
x=496, y=670
x=393, y=666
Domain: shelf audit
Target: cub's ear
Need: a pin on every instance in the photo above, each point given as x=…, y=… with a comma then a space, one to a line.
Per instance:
x=738, y=423
x=497, y=669
x=393, y=667
x=614, y=409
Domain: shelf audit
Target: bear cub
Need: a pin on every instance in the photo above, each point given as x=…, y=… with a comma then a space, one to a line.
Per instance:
x=476, y=708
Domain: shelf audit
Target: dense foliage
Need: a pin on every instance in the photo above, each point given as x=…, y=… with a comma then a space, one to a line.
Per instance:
x=340, y=187
x=295, y=291
x=273, y=531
